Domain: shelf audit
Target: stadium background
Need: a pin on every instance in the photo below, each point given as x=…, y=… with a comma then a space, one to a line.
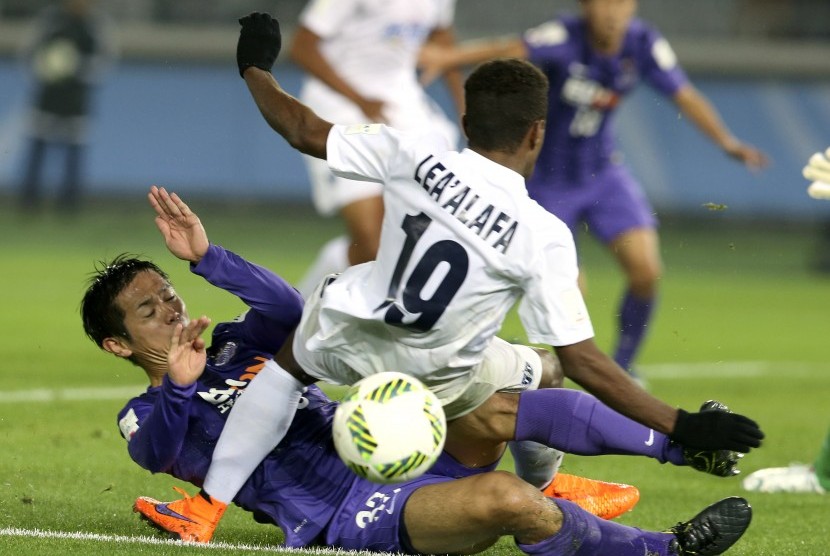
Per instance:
x=742, y=316
x=174, y=110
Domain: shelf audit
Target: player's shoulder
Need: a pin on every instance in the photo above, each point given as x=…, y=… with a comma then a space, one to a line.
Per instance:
x=642, y=33
x=546, y=227
x=558, y=31
x=649, y=44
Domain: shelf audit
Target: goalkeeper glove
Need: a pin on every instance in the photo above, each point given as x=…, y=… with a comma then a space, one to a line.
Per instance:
x=716, y=430
x=259, y=42
x=818, y=171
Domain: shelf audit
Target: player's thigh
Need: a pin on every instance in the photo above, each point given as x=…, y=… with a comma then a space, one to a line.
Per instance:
x=470, y=514
x=505, y=367
x=638, y=253
x=363, y=218
x=619, y=207
x=371, y=517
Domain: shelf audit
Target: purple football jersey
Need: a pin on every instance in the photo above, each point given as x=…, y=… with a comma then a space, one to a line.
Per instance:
x=585, y=89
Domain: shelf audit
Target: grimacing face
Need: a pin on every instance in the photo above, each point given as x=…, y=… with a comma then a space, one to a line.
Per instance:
x=608, y=20
x=151, y=311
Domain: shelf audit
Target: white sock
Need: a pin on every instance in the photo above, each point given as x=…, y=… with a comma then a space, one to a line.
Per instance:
x=333, y=257
x=257, y=423
x=535, y=463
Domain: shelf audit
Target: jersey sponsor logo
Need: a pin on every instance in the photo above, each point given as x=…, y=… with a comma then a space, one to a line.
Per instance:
x=487, y=221
x=591, y=100
x=224, y=398
x=414, y=33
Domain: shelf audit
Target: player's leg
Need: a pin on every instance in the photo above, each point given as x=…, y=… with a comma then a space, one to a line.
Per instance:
x=30, y=190
x=534, y=462
x=637, y=252
x=70, y=196
x=468, y=515
x=360, y=205
x=623, y=219
x=484, y=417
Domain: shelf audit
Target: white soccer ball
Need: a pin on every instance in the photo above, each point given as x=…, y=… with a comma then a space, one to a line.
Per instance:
x=389, y=428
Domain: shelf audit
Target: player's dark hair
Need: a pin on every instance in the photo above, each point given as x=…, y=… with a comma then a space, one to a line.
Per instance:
x=503, y=100
x=102, y=316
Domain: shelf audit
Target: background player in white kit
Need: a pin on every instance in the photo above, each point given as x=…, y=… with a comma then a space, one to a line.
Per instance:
x=361, y=56
x=461, y=243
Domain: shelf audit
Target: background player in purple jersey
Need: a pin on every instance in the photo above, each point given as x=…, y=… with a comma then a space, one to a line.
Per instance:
x=592, y=61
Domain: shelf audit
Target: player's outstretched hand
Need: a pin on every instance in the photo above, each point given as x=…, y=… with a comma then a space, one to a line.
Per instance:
x=259, y=42
x=187, y=355
x=716, y=430
x=182, y=230
x=753, y=158
x=818, y=171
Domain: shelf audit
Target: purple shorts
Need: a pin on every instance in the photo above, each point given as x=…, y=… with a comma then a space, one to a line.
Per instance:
x=371, y=516
x=610, y=202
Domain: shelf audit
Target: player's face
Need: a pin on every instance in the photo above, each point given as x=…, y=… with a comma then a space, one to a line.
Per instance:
x=151, y=311
x=608, y=21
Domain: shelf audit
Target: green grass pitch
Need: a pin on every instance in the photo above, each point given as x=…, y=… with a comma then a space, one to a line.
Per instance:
x=741, y=319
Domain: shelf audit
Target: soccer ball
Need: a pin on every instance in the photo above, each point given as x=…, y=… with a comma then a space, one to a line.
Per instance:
x=389, y=428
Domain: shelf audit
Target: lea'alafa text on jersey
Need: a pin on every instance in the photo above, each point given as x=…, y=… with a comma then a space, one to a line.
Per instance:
x=487, y=221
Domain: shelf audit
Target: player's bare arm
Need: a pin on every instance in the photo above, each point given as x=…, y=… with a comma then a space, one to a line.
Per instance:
x=436, y=59
x=305, y=52
x=586, y=365
x=444, y=37
x=257, y=50
x=703, y=114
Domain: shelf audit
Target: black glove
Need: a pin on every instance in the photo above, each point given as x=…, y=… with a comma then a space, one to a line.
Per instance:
x=716, y=430
x=259, y=42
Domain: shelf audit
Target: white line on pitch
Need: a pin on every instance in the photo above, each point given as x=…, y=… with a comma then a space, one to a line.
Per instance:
x=42, y=534
x=659, y=371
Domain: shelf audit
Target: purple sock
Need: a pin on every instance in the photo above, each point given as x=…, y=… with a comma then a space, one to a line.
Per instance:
x=635, y=314
x=584, y=534
x=578, y=423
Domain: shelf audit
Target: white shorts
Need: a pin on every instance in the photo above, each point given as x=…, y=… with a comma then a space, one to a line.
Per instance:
x=411, y=110
x=504, y=367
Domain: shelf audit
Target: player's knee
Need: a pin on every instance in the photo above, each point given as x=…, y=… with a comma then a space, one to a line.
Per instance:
x=552, y=374
x=505, y=498
x=644, y=281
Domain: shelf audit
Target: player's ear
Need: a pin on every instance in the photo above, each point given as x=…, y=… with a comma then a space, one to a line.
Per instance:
x=117, y=347
x=464, y=126
x=536, y=135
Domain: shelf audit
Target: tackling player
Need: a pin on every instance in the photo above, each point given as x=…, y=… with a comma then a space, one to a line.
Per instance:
x=130, y=309
x=461, y=243
x=593, y=61
x=360, y=58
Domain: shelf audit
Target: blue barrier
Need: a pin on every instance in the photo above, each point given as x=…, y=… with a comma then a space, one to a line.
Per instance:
x=195, y=129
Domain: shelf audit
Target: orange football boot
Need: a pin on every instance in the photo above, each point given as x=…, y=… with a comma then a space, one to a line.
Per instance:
x=605, y=500
x=191, y=519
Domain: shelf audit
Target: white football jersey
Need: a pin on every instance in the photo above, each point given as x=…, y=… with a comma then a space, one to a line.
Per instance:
x=461, y=243
x=373, y=45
